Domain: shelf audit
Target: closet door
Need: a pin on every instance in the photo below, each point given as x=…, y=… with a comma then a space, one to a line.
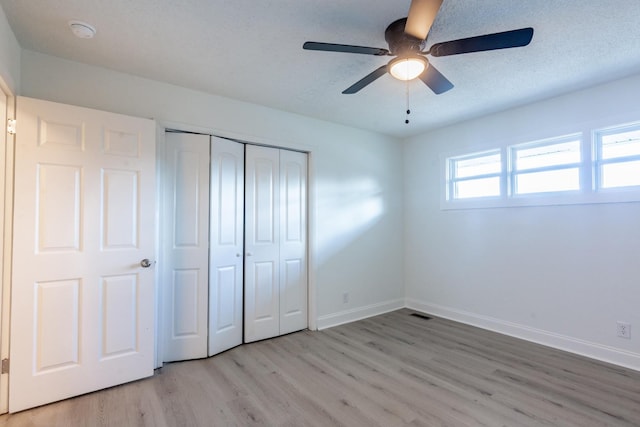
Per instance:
x=186, y=246
x=226, y=252
x=276, y=242
x=262, y=249
x=293, y=241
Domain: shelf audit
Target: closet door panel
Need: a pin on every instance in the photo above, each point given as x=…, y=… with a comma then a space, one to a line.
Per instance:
x=293, y=241
x=186, y=246
x=262, y=251
x=227, y=242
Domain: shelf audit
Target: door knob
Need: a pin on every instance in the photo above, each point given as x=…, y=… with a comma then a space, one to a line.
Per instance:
x=145, y=263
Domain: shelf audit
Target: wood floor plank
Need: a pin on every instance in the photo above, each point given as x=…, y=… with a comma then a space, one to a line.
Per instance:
x=393, y=370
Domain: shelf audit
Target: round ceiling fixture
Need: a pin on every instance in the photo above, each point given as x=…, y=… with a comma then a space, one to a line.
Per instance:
x=407, y=67
x=82, y=30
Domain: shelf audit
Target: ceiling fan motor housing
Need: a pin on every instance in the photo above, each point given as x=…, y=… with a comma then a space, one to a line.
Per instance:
x=401, y=43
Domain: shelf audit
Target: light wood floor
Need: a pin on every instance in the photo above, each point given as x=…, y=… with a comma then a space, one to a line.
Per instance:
x=390, y=370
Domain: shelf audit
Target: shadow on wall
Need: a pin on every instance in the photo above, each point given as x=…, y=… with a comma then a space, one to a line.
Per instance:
x=345, y=210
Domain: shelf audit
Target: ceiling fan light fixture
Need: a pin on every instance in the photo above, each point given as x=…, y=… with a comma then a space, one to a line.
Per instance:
x=407, y=67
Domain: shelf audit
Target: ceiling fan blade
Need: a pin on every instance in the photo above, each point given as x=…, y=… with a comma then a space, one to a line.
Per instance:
x=422, y=13
x=332, y=47
x=435, y=80
x=503, y=40
x=369, y=78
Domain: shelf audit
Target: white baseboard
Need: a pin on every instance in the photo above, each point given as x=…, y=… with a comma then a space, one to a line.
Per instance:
x=358, y=313
x=592, y=350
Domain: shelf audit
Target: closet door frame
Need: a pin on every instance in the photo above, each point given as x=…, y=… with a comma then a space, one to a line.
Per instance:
x=163, y=126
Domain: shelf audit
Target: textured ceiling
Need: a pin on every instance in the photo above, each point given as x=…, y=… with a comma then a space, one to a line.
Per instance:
x=252, y=51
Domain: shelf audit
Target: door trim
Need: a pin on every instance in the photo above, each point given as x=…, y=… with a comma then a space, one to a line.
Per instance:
x=6, y=234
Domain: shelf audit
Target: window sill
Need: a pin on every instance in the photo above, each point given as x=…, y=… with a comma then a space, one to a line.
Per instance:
x=617, y=195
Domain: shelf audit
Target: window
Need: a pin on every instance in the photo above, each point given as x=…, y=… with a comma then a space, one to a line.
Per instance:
x=598, y=166
x=546, y=166
x=475, y=175
x=617, y=155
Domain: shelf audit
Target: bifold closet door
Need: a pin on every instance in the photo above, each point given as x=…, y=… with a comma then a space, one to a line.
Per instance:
x=203, y=245
x=293, y=242
x=275, y=243
x=226, y=245
x=185, y=242
x=262, y=251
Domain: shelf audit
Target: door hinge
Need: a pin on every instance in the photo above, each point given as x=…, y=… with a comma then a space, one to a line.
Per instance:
x=11, y=126
x=5, y=366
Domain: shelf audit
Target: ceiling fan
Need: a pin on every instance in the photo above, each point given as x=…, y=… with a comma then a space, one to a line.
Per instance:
x=407, y=40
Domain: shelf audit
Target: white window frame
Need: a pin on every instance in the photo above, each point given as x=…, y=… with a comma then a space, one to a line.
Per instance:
x=513, y=173
x=451, y=179
x=590, y=191
x=599, y=162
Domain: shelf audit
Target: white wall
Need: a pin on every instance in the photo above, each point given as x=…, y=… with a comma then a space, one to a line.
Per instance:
x=356, y=176
x=559, y=275
x=9, y=56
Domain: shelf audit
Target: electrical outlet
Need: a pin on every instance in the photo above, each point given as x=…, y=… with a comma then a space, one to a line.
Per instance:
x=345, y=297
x=624, y=330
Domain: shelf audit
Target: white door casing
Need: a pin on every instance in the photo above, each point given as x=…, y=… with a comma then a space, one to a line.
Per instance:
x=226, y=245
x=82, y=307
x=4, y=306
x=185, y=273
x=293, y=241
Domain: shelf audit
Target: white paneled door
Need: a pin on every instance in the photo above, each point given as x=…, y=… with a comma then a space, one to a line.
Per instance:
x=226, y=250
x=203, y=243
x=275, y=243
x=262, y=251
x=293, y=241
x=82, y=306
x=185, y=270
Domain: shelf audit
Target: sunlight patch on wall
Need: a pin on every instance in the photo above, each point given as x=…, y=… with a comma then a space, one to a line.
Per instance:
x=345, y=210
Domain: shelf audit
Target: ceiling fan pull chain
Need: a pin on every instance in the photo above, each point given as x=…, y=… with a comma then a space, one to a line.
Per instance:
x=408, y=110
